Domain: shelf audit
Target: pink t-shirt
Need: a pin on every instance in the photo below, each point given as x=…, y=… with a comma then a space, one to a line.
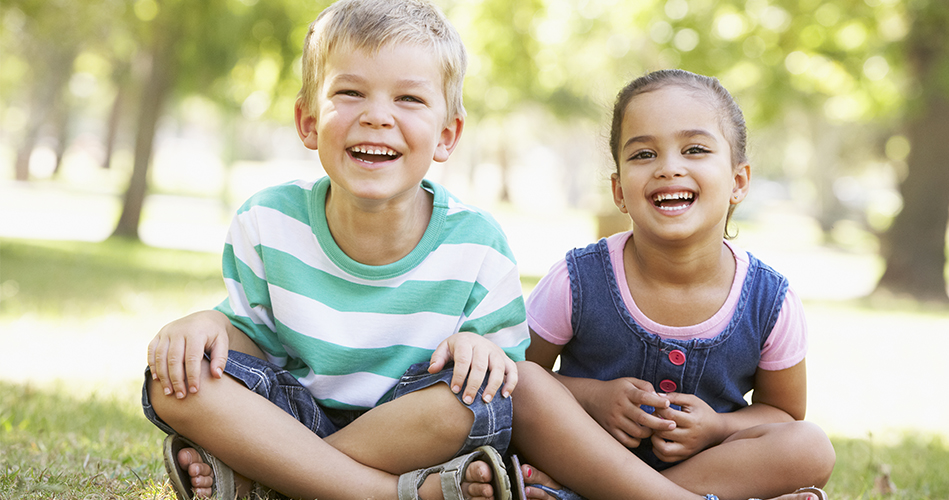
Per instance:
x=550, y=306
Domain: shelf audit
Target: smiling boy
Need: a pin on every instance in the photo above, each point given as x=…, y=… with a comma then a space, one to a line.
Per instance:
x=351, y=298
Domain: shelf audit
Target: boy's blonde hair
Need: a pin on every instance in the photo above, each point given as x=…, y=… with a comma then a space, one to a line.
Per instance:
x=371, y=24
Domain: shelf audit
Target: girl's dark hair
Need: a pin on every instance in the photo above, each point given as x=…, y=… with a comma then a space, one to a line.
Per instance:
x=732, y=119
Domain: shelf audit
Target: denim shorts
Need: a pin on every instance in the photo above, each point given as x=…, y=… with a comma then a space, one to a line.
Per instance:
x=492, y=422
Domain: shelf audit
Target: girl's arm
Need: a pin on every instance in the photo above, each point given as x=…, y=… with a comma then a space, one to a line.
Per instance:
x=779, y=396
x=614, y=404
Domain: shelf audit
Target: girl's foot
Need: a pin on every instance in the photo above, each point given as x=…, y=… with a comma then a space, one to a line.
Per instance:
x=533, y=477
x=202, y=477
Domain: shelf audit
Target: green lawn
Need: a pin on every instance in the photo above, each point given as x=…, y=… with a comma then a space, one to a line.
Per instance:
x=57, y=442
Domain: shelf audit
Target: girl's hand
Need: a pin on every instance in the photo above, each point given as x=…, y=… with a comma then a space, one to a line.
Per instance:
x=697, y=427
x=615, y=405
x=176, y=353
x=475, y=357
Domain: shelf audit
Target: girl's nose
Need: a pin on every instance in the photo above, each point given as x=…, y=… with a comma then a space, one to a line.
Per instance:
x=670, y=167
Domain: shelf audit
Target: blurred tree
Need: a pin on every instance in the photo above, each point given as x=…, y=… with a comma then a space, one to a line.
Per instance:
x=915, y=245
x=218, y=48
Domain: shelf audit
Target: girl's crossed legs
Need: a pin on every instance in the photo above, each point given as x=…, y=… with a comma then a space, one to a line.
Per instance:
x=553, y=433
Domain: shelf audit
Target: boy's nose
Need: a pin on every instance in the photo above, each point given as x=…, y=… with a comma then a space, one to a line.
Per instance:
x=376, y=114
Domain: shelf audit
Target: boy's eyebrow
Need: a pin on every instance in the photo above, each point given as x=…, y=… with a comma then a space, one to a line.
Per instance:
x=403, y=83
x=680, y=134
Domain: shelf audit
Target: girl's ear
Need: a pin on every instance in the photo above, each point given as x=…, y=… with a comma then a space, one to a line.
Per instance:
x=618, y=197
x=742, y=183
x=449, y=138
x=306, y=125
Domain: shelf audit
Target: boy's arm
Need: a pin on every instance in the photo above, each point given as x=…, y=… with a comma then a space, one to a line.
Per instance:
x=475, y=357
x=176, y=352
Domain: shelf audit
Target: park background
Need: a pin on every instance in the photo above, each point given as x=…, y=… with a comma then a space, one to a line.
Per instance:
x=130, y=130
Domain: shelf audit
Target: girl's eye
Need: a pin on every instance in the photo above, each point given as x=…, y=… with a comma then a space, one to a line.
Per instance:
x=697, y=150
x=642, y=155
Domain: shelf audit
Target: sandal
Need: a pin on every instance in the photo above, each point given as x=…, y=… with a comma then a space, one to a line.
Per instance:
x=821, y=495
x=518, y=485
x=452, y=472
x=223, y=488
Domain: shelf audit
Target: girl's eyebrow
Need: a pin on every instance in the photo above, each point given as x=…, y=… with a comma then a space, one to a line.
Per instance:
x=682, y=134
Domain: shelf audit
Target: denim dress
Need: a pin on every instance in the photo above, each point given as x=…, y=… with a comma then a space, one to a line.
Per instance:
x=609, y=344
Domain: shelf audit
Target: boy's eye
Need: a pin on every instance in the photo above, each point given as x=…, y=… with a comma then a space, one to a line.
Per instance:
x=350, y=93
x=410, y=98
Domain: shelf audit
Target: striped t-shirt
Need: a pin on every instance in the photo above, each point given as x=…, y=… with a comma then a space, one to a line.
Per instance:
x=347, y=330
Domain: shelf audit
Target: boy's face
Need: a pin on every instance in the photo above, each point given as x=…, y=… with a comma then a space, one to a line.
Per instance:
x=382, y=121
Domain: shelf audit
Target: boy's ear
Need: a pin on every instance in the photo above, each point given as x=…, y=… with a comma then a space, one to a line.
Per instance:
x=449, y=138
x=306, y=125
x=742, y=183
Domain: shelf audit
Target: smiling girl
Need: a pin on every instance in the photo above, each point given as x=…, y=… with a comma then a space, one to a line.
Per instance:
x=663, y=330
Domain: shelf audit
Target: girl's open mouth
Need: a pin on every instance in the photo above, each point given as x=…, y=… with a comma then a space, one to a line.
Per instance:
x=673, y=201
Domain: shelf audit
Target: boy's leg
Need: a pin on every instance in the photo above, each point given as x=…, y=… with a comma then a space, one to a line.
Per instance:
x=259, y=440
x=761, y=461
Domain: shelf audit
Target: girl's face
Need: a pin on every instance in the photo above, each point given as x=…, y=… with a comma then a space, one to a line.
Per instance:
x=676, y=179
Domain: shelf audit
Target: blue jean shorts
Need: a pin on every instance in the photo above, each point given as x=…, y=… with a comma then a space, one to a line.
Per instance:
x=492, y=422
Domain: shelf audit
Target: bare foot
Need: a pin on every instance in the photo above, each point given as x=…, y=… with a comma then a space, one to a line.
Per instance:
x=202, y=477
x=804, y=494
x=475, y=486
x=534, y=476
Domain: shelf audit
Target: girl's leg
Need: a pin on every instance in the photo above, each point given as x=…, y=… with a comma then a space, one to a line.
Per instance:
x=553, y=433
x=762, y=461
x=262, y=442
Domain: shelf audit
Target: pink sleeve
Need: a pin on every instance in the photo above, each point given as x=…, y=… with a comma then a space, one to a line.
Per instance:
x=550, y=306
x=787, y=344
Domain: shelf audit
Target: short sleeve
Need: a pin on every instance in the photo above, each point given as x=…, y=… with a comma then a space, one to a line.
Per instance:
x=787, y=344
x=550, y=306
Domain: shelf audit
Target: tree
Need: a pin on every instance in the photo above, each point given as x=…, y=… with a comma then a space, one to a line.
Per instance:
x=193, y=47
x=915, y=245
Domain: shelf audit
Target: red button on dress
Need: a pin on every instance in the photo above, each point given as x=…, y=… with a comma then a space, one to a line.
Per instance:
x=677, y=357
x=668, y=386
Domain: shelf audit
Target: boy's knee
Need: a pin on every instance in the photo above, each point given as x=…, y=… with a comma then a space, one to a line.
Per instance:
x=442, y=413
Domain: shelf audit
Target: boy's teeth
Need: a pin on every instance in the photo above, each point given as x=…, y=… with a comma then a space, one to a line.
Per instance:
x=373, y=151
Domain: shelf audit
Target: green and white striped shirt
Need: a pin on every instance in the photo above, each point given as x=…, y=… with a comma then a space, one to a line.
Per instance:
x=347, y=330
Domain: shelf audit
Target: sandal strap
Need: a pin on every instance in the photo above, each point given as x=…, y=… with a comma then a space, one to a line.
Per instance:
x=223, y=489
x=451, y=474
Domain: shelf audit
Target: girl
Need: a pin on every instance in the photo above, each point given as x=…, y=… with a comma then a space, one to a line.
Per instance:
x=662, y=330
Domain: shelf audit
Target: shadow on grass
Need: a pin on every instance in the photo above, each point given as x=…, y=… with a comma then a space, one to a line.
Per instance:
x=56, y=278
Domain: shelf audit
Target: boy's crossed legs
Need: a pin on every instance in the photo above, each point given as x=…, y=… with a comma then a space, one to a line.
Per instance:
x=258, y=439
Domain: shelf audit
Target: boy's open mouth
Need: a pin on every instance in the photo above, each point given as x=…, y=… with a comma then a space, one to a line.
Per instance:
x=673, y=201
x=373, y=154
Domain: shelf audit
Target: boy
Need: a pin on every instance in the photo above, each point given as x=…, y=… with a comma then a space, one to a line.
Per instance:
x=341, y=291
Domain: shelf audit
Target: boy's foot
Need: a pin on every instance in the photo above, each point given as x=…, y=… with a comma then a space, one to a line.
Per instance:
x=202, y=476
x=476, y=484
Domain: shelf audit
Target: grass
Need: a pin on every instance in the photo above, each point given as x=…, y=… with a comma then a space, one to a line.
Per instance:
x=57, y=442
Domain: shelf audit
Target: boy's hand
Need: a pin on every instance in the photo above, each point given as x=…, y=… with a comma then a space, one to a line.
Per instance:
x=475, y=357
x=698, y=426
x=615, y=405
x=176, y=353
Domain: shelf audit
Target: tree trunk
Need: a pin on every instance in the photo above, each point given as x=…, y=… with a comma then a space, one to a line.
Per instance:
x=152, y=100
x=915, y=245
